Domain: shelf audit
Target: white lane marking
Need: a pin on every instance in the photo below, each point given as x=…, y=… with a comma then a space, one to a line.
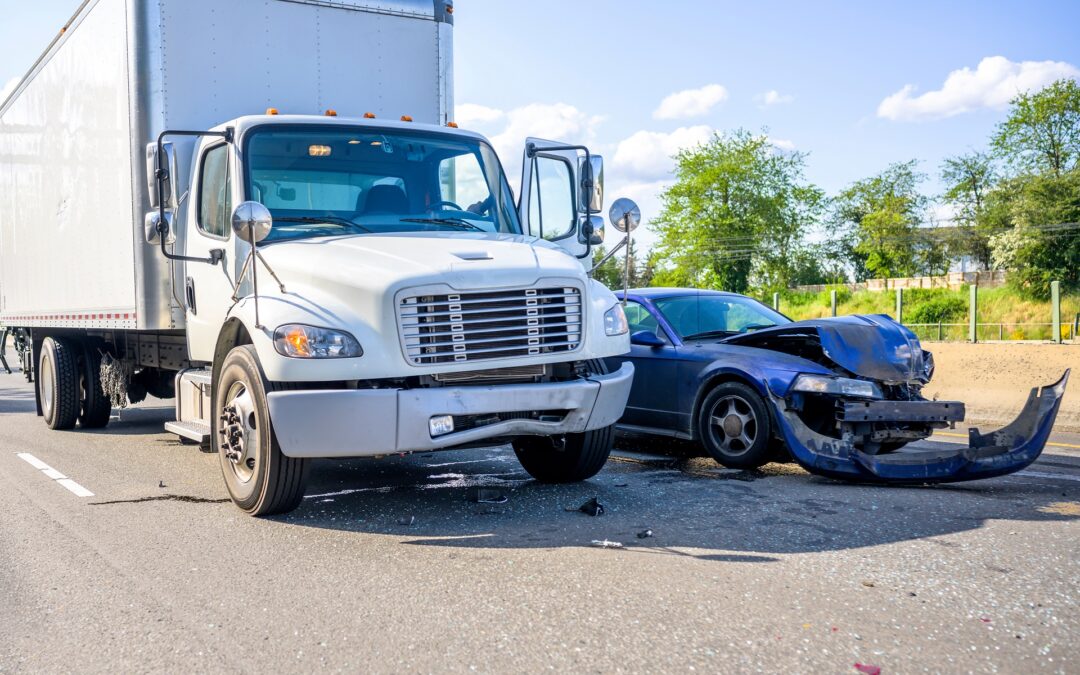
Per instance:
x=79, y=490
x=1041, y=474
x=33, y=461
x=55, y=475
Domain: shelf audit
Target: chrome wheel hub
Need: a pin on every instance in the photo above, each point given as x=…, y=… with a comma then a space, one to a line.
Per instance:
x=239, y=435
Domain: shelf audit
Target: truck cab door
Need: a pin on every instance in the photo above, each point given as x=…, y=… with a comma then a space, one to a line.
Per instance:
x=207, y=289
x=556, y=201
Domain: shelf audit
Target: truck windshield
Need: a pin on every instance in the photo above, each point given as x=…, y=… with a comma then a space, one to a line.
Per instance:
x=329, y=181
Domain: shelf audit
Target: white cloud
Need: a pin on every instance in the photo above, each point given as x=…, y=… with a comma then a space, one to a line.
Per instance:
x=992, y=84
x=691, y=102
x=469, y=115
x=648, y=154
x=782, y=144
x=9, y=87
x=773, y=97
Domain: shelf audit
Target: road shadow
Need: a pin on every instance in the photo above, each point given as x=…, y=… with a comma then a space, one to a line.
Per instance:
x=16, y=400
x=689, y=506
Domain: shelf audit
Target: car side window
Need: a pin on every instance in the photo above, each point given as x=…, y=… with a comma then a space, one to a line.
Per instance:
x=640, y=319
x=215, y=197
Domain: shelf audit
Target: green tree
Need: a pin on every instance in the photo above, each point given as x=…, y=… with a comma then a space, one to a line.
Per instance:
x=1042, y=131
x=876, y=222
x=736, y=215
x=968, y=180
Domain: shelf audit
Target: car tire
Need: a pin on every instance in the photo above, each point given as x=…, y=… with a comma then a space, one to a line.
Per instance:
x=734, y=426
x=95, y=408
x=573, y=458
x=58, y=383
x=260, y=479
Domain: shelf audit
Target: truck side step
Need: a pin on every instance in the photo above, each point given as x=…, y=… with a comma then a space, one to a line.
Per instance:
x=193, y=431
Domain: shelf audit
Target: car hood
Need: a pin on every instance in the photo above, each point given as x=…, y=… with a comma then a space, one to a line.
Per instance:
x=871, y=346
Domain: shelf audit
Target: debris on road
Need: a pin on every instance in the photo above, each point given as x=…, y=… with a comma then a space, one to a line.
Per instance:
x=644, y=534
x=868, y=584
x=161, y=484
x=593, y=507
x=487, y=495
x=407, y=521
x=868, y=669
x=604, y=543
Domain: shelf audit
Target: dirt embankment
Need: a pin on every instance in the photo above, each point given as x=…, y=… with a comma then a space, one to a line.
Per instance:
x=994, y=379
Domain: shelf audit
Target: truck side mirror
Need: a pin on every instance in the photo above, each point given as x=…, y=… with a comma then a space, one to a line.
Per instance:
x=594, y=225
x=150, y=228
x=591, y=189
x=252, y=222
x=172, y=199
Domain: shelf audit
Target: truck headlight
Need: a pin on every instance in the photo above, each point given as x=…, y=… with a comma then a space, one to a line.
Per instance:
x=839, y=386
x=298, y=341
x=615, y=321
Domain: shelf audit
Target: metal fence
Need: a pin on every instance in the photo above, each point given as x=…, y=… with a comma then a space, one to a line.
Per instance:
x=991, y=332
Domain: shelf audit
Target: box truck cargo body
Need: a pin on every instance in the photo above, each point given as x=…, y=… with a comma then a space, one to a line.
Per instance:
x=264, y=209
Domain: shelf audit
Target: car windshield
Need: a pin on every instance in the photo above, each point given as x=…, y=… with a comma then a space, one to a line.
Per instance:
x=329, y=181
x=716, y=316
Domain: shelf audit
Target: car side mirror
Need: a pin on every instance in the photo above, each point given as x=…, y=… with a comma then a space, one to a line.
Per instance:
x=646, y=338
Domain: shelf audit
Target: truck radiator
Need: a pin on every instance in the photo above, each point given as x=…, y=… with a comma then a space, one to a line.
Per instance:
x=484, y=325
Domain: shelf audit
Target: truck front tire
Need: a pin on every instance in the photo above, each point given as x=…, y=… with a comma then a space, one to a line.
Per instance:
x=58, y=383
x=260, y=479
x=576, y=457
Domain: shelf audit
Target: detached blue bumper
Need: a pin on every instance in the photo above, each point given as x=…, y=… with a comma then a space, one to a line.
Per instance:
x=997, y=453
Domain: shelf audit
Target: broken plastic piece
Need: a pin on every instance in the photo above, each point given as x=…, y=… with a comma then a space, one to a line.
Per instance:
x=407, y=521
x=487, y=495
x=868, y=669
x=644, y=534
x=604, y=543
x=593, y=507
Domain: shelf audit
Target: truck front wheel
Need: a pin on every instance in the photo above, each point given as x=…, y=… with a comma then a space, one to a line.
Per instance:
x=568, y=459
x=261, y=480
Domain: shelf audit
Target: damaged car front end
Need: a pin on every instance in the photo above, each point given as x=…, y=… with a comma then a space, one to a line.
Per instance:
x=855, y=422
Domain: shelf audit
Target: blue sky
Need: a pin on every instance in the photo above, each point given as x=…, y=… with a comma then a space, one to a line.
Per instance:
x=599, y=70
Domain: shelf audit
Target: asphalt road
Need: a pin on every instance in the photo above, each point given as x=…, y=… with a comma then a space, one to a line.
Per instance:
x=388, y=565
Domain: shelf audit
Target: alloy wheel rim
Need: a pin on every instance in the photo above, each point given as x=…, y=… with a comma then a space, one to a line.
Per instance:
x=733, y=425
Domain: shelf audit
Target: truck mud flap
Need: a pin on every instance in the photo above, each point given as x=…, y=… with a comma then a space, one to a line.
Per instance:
x=996, y=453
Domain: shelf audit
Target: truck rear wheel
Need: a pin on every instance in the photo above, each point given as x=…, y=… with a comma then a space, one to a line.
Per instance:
x=260, y=479
x=95, y=408
x=58, y=383
x=576, y=457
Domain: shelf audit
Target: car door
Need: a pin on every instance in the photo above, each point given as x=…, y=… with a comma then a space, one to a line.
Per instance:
x=654, y=398
x=207, y=289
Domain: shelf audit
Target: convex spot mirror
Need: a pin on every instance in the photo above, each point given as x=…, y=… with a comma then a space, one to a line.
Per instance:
x=625, y=215
x=591, y=200
x=597, y=230
x=251, y=221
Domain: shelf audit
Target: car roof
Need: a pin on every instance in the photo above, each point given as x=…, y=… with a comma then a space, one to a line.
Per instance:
x=658, y=293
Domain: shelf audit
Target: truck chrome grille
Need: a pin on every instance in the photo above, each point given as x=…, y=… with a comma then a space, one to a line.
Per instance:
x=485, y=325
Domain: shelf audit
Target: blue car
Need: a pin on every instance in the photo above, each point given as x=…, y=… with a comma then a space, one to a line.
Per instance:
x=841, y=396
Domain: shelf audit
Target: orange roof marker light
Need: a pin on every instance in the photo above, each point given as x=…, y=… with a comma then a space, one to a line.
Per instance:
x=369, y=116
x=452, y=125
x=406, y=118
x=331, y=113
x=271, y=111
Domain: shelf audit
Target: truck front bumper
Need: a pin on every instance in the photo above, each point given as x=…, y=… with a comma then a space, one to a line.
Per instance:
x=365, y=423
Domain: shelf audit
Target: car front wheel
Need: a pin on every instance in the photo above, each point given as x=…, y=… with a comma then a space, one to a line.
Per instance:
x=734, y=426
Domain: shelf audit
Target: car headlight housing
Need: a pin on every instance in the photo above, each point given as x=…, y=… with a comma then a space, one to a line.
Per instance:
x=838, y=386
x=615, y=321
x=298, y=341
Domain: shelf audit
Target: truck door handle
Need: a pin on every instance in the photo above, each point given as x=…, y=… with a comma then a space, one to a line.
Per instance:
x=190, y=293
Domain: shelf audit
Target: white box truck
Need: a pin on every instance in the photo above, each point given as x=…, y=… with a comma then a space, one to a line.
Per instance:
x=305, y=284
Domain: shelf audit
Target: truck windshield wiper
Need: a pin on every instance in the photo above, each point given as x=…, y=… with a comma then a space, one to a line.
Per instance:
x=710, y=334
x=459, y=223
x=323, y=220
